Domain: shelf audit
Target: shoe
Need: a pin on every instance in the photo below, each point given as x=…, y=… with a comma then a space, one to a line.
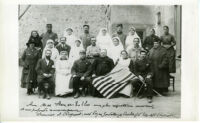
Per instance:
x=149, y=100
x=44, y=96
x=48, y=97
x=83, y=94
x=76, y=95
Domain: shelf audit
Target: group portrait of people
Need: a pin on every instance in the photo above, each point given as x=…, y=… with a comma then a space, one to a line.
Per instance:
x=104, y=66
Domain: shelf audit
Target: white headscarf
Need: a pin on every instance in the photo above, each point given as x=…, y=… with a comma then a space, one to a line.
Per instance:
x=130, y=38
x=115, y=51
x=104, y=41
x=70, y=38
x=55, y=53
x=74, y=53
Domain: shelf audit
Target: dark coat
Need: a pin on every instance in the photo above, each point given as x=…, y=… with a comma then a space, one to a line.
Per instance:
x=81, y=67
x=29, y=58
x=65, y=48
x=141, y=67
x=159, y=67
x=102, y=66
x=42, y=67
x=148, y=41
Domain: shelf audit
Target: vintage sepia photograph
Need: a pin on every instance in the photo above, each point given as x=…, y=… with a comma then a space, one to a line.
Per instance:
x=100, y=61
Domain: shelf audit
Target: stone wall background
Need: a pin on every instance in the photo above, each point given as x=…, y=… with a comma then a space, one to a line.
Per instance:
x=61, y=16
x=143, y=18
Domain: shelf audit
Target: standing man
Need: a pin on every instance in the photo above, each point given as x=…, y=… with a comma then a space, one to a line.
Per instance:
x=148, y=41
x=63, y=46
x=134, y=50
x=86, y=37
x=93, y=50
x=159, y=67
x=49, y=35
x=120, y=34
x=81, y=71
x=169, y=42
x=45, y=70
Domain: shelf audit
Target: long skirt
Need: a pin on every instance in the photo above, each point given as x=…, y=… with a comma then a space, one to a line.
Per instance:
x=62, y=84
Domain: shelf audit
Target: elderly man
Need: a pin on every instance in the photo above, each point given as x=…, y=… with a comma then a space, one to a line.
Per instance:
x=45, y=70
x=81, y=71
x=49, y=35
x=93, y=50
x=62, y=46
x=159, y=67
x=120, y=34
x=148, y=41
x=169, y=42
x=86, y=37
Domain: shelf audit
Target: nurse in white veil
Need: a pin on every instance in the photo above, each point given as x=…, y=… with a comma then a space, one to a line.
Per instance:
x=115, y=49
x=68, y=33
x=104, y=40
x=132, y=34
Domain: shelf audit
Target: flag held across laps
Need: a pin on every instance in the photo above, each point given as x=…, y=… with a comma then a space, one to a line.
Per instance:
x=113, y=82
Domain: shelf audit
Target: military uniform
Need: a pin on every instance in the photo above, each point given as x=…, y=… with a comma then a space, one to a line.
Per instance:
x=29, y=75
x=63, y=47
x=81, y=68
x=46, y=36
x=86, y=40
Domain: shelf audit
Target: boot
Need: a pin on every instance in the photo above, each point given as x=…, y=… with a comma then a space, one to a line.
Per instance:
x=76, y=95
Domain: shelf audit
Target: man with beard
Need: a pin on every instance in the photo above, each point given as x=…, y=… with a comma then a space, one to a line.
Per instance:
x=86, y=37
x=148, y=41
x=169, y=42
x=45, y=70
x=49, y=35
x=142, y=70
x=120, y=34
x=159, y=67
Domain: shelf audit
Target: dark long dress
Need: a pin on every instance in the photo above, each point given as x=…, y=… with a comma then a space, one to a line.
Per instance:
x=29, y=75
x=159, y=67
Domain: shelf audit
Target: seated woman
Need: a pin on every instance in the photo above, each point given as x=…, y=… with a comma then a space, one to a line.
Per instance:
x=118, y=80
x=63, y=75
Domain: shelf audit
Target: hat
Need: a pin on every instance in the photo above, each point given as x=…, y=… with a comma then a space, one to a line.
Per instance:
x=82, y=52
x=30, y=42
x=119, y=25
x=93, y=38
x=49, y=25
x=86, y=25
x=69, y=29
x=143, y=51
x=78, y=40
x=62, y=38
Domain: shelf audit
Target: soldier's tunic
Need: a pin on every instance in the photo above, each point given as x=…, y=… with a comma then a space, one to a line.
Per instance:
x=29, y=75
x=46, y=36
x=86, y=40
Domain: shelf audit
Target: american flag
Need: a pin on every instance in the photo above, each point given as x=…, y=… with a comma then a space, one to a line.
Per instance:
x=113, y=82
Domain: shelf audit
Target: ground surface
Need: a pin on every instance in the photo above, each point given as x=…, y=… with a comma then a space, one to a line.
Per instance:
x=162, y=107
